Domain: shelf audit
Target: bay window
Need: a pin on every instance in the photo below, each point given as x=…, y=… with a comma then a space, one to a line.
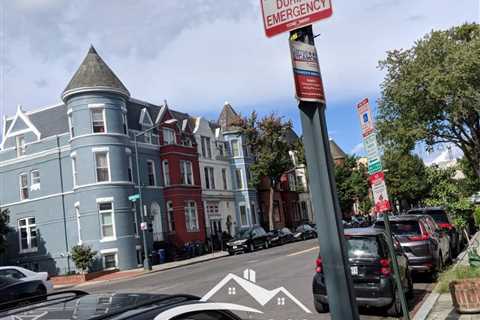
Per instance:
x=191, y=217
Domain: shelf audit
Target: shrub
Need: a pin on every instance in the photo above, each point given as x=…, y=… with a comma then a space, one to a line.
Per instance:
x=83, y=257
x=458, y=273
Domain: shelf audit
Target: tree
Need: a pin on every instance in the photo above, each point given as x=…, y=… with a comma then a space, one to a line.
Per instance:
x=471, y=182
x=83, y=257
x=431, y=93
x=4, y=228
x=405, y=177
x=265, y=139
x=352, y=185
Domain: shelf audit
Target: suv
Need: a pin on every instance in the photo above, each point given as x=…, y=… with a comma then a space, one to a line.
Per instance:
x=445, y=223
x=248, y=240
x=372, y=272
x=427, y=246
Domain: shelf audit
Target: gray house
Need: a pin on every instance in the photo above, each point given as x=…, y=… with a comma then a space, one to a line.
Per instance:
x=66, y=172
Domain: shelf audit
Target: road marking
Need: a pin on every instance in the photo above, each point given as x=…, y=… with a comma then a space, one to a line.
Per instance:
x=302, y=252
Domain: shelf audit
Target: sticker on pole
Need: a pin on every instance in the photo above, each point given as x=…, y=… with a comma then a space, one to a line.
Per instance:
x=306, y=72
x=285, y=15
x=366, y=119
x=379, y=190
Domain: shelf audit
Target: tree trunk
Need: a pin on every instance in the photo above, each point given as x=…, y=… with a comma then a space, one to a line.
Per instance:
x=270, y=209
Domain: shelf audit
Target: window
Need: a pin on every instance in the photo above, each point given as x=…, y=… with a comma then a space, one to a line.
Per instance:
x=170, y=217
x=135, y=219
x=11, y=273
x=243, y=215
x=98, y=121
x=206, y=147
x=75, y=171
x=148, y=137
x=209, y=178
x=23, y=181
x=221, y=149
x=168, y=136
x=191, y=219
x=124, y=123
x=20, y=145
x=79, y=229
x=186, y=172
x=35, y=179
x=166, y=172
x=235, y=148
x=72, y=128
x=130, y=168
x=254, y=213
x=28, y=234
x=109, y=261
x=238, y=176
x=105, y=211
x=151, y=173
x=224, y=178
x=102, y=166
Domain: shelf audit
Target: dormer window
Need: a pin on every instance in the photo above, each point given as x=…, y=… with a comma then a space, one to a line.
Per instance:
x=98, y=120
x=168, y=136
x=20, y=145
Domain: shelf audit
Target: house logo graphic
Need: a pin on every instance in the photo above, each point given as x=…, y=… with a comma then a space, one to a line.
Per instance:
x=233, y=283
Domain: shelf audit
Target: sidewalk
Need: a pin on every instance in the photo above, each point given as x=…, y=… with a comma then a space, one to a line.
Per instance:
x=442, y=305
x=130, y=274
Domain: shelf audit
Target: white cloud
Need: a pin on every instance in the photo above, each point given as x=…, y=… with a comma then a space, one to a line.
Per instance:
x=358, y=149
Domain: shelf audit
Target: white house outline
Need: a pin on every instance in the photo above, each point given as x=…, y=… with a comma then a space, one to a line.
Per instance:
x=260, y=294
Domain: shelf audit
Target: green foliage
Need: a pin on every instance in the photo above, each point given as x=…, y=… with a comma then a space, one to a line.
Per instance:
x=431, y=93
x=476, y=215
x=405, y=177
x=458, y=273
x=4, y=228
x=471, y=183
x=352, y=184
x=83, y=257
x=300, y=151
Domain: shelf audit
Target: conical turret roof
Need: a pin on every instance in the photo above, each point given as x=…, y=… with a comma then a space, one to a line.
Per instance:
x=94, y=75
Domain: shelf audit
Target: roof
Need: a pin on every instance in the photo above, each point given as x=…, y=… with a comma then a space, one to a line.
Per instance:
x=228, y=117
x=336, y=151
x=363, y=232
x=94, y=74
x=403, y=217
x=291, y=136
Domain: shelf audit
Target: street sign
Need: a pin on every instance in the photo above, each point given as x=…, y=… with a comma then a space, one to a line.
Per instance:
x=285, y=15
x=373, y=154
x=134, y=197
x=306, y=72
x=366, y=119
x=379, y=190
x=374, y=167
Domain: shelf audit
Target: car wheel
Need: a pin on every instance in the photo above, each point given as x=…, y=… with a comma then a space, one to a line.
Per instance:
x=395, y=310
x=303, y=237
x=230, y=253
x=265, y=245
x=40, y=294
x=321, y=307
x=251, y=247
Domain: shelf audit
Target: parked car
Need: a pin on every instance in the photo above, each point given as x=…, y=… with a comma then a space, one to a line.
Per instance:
x=426, y=245
x=15, y=292
x=248, y=240
x=372, y=272
x=304, y=232
x=79, y=305
x=23, y=274
x=444, y=221
x=281, y=236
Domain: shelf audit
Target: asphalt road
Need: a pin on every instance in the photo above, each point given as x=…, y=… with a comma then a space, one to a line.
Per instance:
x=290, y=266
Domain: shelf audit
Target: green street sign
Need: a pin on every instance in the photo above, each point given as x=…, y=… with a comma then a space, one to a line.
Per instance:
x=374, y=167
x=134, y=197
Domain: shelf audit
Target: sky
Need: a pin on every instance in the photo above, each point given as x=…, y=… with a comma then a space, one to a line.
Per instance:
x=197, y=54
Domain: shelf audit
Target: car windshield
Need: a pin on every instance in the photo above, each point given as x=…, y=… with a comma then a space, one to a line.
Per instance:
x=286, y=231
x=243, y=233
x=5, y=281
x=401, y=228
x=439, y=216
x=362, y=246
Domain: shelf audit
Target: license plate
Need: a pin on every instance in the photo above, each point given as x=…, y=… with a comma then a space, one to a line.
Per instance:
x=354, y=271
x=235, y=247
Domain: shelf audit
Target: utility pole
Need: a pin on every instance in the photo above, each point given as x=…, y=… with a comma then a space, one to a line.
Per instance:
x=338, y=279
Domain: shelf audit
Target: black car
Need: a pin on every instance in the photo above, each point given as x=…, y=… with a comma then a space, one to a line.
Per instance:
x=444, y=221
x=79, y=305
x=281, y=236
x=14, y=292
x=305, y=231
x=427, y=246
x=248, y=240
x=372, y=272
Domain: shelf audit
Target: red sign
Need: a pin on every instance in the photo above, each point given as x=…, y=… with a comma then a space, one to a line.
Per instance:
x=284, y=15
x=306, y=72
x=379, y=190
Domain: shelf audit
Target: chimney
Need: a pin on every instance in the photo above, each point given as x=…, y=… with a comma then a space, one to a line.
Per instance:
x=249, y=274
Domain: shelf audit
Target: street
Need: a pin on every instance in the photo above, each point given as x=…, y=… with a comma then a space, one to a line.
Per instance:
x=290, y=266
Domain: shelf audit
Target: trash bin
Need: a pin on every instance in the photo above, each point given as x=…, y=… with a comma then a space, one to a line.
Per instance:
x=161, y=255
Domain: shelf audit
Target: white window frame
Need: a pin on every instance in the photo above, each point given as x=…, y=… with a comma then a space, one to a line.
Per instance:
x=124, y=123
x=104, y=118
x=184, y=165
x=239, y=178
x=240, y=206
x=112, y=212
x=23, y=187
x=148, y=137
x=166, y=173
x=28, y=227
x=135, y=219
x=105, y=252
x=70, y=126
x=170, y=217
x=35, y=185
x=253, y=213
x=74, y=171
x=170, y=130
x=209, y=173
x=20, y=147
x=154, y=173
x=107, y=154
x=189, y=214
x=235, y=142
x=224, y=179
x=79, y=227
x=130, y=168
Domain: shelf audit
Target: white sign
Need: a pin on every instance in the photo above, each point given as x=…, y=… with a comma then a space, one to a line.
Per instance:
x=379, y=190
x=371, y=148
x=143, y=226
x=366, y=119
x=284, y=15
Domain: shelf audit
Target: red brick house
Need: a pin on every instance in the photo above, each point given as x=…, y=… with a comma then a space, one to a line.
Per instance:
x=181, y=174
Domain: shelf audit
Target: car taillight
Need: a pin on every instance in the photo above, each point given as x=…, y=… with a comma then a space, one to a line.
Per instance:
x=445, y=226
x=385, y=267
x=319, y=266
x=420, y=238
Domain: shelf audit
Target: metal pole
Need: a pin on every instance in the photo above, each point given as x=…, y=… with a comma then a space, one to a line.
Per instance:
x=396, y=269
x=326, y=206
x=146, y=260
